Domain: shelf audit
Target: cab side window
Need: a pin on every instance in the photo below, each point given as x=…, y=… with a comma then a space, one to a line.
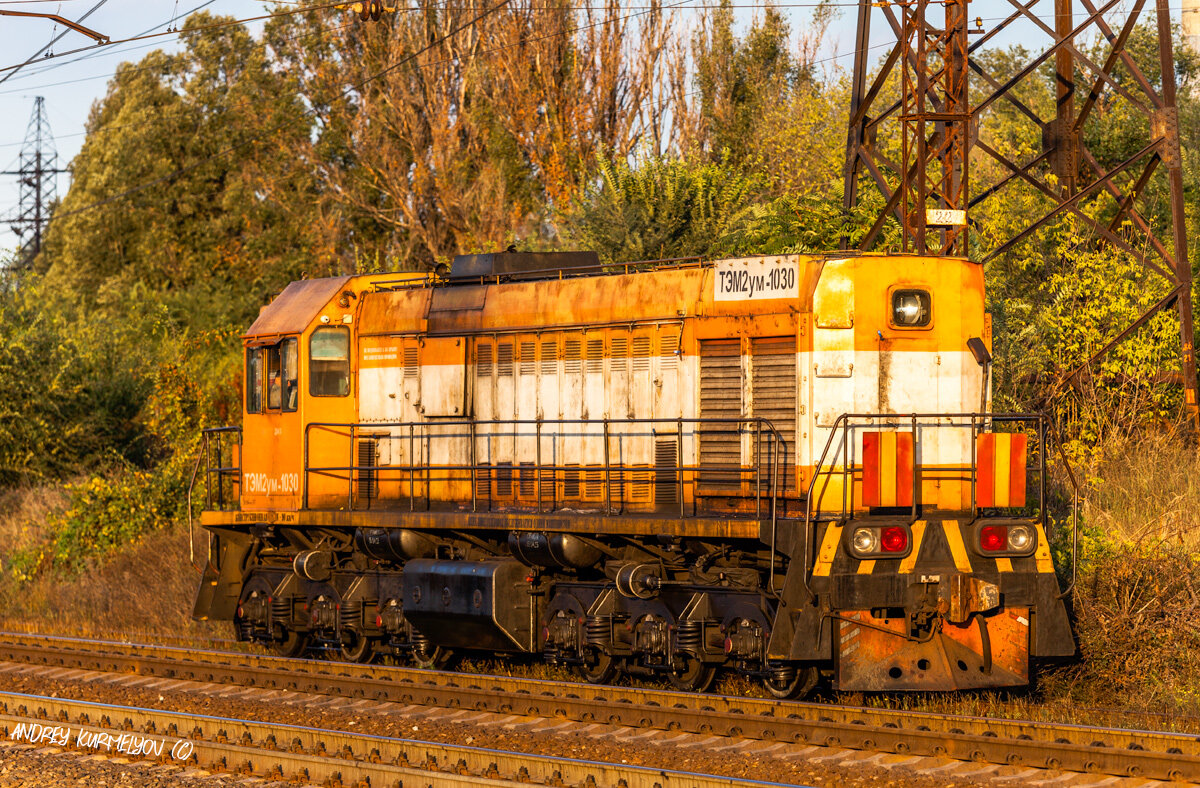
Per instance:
x=254, y=380
x=274, y=381
x=329, y=362
x=290, y=357
x=274, y=371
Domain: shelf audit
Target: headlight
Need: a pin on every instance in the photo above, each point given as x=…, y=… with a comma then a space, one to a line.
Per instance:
x=1007, y=539
x=911, y=308
x=865, y=541
x=1020, y=538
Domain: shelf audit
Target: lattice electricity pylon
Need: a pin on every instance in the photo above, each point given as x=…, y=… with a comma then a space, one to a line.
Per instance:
x=920, y=95
x=37, y=168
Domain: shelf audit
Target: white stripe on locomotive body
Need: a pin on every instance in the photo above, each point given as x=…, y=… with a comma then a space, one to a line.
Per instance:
x=662, y=387
x=915, y=382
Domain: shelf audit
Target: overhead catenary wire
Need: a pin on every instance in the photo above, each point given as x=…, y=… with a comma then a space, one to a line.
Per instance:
x=138, y=69
x=104, y=51
x=226, y=151
x=160, y=34
x=356, y=86
x=13, y=69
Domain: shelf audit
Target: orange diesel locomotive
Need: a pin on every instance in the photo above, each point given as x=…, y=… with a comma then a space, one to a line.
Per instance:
x=783, y=466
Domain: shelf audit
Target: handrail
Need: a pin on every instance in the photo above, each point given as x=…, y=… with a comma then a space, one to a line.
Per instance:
x=1062, y=455
x=977, y=421
x=200, y=456
x=763, y=430
x=204, y=456
x=563, y=273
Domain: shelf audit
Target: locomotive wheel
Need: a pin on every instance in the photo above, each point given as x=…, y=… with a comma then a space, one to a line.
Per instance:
x=695, y=677
x=293, y=645
x=601, y=669
x=804, y=682
x=360, y=650
x=431, y=657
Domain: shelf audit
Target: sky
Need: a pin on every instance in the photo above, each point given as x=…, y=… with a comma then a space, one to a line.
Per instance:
x=71, y=83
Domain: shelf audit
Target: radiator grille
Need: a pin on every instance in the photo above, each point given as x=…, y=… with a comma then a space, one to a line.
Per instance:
x=504, y=359
x=572, y=353
x=483, y=360
x=670, y=344
x=595, y=356
x=528, y=483
x=571, y=484
x=368, y=454
x=773, y=391
x=549, y=357
x=504, y=480
x=666, y=459
x=528, y=360
x=720, y=397
x=641, y=354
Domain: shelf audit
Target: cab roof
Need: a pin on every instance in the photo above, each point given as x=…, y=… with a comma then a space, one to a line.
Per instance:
x=296, y=307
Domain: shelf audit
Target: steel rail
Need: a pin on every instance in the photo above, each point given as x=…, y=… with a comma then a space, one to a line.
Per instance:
x=329, y=756
x=1080, y=748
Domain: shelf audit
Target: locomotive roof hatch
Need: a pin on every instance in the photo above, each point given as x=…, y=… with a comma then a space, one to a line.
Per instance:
x=296, y=307
x=512, y=264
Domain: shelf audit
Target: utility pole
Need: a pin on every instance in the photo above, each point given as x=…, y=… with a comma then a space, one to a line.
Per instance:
x=38, y=166
x=925, y=186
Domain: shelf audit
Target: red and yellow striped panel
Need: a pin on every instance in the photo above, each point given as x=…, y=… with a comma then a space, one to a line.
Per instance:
x=887, y=469
x=1000, y=464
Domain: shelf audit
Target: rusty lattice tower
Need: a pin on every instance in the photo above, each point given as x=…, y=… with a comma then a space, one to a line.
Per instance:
x=945, y=93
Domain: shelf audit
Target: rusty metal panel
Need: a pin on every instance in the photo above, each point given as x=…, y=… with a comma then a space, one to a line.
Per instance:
x=573, y=522
x=877, y=654
x=296, y=307
x=393, y=312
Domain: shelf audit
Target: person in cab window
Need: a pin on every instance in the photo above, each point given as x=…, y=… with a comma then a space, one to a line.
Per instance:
x=273, y=391
x=291, y=366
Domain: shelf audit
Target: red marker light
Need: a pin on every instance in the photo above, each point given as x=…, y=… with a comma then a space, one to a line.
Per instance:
x=993, y=538
x=893, y=539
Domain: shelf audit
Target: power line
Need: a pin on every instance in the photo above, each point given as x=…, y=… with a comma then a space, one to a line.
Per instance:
x=14, y=69
x=144, y=36
x=226, y=151
x=92, y=53
x=233, y=148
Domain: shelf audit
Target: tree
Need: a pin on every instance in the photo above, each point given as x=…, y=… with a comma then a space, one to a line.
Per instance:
x=443, y=136
x=179, y=182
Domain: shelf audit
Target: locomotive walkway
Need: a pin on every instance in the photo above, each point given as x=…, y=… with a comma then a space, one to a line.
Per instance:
x=985, y=748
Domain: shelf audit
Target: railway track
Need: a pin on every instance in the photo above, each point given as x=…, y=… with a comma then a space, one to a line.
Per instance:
x=1011, y=743
x=301, y=754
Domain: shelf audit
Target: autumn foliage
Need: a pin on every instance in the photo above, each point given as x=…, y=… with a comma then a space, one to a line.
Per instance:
x=327, y=145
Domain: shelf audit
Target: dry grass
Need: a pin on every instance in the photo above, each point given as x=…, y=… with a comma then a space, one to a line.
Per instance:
x=146, y=588
x=1145, y=491
x=24, y=512
x=1137, y=606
